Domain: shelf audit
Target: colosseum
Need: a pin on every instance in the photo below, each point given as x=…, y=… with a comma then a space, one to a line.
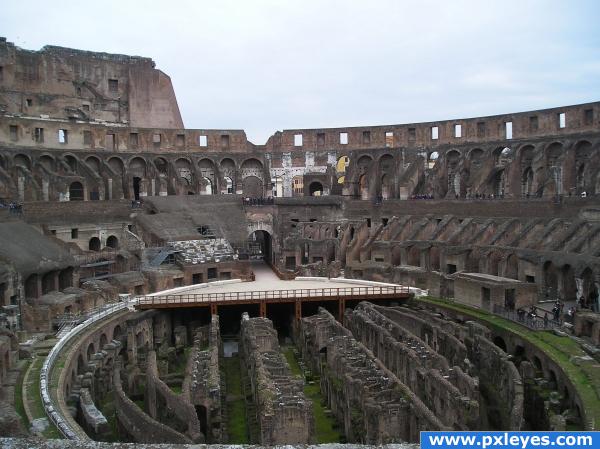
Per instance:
x=350, y=285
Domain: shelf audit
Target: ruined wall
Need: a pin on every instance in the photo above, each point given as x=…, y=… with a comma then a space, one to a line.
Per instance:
x=444, y=388
x=283, y=413
x=202, y=383
x=75, y=84
x=137, y=426
x=370, y=401
x=168, y=407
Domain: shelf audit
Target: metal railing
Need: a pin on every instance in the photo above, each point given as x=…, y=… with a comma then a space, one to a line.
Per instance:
x=53, y=410
x=275, y=295
x=535, y=322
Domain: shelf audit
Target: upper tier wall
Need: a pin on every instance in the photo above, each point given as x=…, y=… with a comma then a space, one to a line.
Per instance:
x=20, y=130
x=532, y=124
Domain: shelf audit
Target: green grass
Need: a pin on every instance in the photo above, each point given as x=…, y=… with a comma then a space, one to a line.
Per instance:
x=19, y=407
x=107, y=407
x=236, y=407
x=35, y=399
x=325, y=427
x=585, y=377
x=176, y=388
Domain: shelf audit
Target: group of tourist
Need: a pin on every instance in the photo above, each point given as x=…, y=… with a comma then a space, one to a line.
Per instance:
x=424, y=196
x=14, y=208
x=258, y=201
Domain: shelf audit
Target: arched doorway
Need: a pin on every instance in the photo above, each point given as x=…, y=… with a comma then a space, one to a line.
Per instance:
x=76, y=191
x=315, y=189
x=112, y=242
x=94, y=244
x=261, y=240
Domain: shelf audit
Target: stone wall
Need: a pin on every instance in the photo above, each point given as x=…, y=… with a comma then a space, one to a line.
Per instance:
x=443, y=387
x=137, y=426
x=283, y=413
x=202, y=382
x=168, y=407
x=370, y=401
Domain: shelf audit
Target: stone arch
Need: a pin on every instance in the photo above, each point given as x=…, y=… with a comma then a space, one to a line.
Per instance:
x=475, y=154
x=91, y=350
x=47, y=162
x=183, y=167
x=527, y=182
x=364, y=163
x=207, y=171
x=71, y=162
x=23, y=161
x=503, y=156
x=228, y=172
x=76, y=192
x=252, y=187
x=94, y=244
x=94, y=163
x=554, y=154
x=251, y=167
x=315, y=188
x=103, y=341
x=112, y=242
x=414, y=256
x=117, y=333
x=116, y=164
x=162, y=166
x=494, y=263
x=137, y=167
x=526, y=154
x=511, y=269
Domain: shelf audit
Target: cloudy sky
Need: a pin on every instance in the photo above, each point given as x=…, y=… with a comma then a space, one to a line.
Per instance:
x=268, y=65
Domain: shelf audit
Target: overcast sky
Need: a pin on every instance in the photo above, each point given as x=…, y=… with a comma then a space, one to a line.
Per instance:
x=269, y=65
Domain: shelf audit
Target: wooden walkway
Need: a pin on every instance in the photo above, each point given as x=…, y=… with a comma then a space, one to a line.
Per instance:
x=262, y=298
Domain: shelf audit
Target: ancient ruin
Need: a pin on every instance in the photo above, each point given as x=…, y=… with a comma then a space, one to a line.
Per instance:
x=351, y=285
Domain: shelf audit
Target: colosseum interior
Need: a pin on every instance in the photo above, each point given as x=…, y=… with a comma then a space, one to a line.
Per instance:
x=351, y=285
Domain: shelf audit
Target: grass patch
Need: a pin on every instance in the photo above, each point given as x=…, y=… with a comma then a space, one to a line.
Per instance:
x=176, y=388
x=236, y=407
x=19, y=407
x=326, y=430
x=107, y=407
x=585, y=377
x=34, y=398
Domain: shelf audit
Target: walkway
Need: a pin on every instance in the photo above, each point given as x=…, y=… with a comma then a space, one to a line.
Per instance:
x=268, y=288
